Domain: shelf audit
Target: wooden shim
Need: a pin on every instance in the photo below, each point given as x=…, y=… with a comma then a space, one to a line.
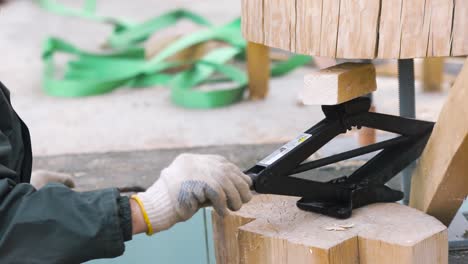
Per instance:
x=252, y=20
x=460, y=29
x=271, y=229
x=358, y=27
x=338, y=84
x=415, y=28
x=440, y=33
x=440, y=182
x=279, y=24
x=258, y=70
x=308, y=26
x=329, y=32
x=390, y=29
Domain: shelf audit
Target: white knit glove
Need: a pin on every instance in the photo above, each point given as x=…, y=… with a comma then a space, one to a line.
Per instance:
x=39, y=178
x=189, y=183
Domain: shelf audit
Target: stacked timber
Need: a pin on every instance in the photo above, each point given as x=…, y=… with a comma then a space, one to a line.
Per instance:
x=271, y=229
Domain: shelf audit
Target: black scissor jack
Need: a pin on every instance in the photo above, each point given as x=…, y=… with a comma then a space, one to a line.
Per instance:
x=366, y=185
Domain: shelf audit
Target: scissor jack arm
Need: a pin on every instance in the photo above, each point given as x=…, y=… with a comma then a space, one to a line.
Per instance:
x=367, y=184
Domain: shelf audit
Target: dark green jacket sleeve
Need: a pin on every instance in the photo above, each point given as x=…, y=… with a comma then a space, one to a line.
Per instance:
x=53, y=224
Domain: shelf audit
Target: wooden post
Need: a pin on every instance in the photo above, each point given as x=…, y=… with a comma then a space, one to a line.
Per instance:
x=433, y=74
x=272, y=230
x=440, y=182
x=367, y=135
x=258, y=68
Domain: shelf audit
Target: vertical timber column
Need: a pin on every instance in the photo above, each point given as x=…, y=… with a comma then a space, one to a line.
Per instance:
x=258, y=68
x=433, y=73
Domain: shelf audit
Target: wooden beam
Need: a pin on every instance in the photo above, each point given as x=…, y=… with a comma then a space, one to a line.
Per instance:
x=308, y=26
x=390, y=29
x=338, y=84
x=252, y=20
x=459, y=30
x=329, y=32
x=258, y=70
x=440, y=34
x=271, y=229
x=279, y=20
x=358, y=27
x=415, y=28
x=433, y=74
x=440, y=182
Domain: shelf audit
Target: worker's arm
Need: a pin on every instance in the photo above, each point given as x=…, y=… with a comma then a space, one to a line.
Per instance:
x=57, y=225
x=53, y=224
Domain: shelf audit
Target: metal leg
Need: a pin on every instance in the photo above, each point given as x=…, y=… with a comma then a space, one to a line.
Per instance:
x=407, y=101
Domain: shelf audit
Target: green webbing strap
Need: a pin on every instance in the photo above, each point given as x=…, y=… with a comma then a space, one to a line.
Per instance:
x=91, y=74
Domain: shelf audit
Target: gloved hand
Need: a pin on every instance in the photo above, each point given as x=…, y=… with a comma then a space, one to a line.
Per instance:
x=189, y=183
x=39, y=178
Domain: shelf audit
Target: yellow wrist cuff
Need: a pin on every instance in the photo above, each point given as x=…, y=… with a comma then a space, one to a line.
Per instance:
x=145, y=215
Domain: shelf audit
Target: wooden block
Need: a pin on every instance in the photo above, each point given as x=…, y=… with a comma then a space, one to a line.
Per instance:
x=415, y=24
x=279, y=20
x=358, y=27
x=258, y=70
x=441, y=28
x=271, y=229
x=308, y=26
x=460, y=30
x=252, y=20
x=440, y=182
x=433, y=74
x=390, y=29
x=165, y=37
x=338, y=84
x=329, y=32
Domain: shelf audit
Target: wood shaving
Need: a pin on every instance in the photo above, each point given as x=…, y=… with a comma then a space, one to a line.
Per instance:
x=342, y=227
x=335, y=228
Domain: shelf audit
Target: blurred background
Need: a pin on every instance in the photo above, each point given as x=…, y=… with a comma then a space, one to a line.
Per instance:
x=126, y=136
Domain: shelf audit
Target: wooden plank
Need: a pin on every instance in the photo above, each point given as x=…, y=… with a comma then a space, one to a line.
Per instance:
x=433, y=74
x=279, y=24
x=357, y=31
x=439, y=183
x=252, y=20
x=390, y=29
x=415, y=28
x=258, y=70
x=271, y=229
x=460, y=29
x=308, y=26
x=338, y=84
x=441, y=28
x=329, y=32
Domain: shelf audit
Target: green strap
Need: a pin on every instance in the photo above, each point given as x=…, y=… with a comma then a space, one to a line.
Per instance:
x=92, y=74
